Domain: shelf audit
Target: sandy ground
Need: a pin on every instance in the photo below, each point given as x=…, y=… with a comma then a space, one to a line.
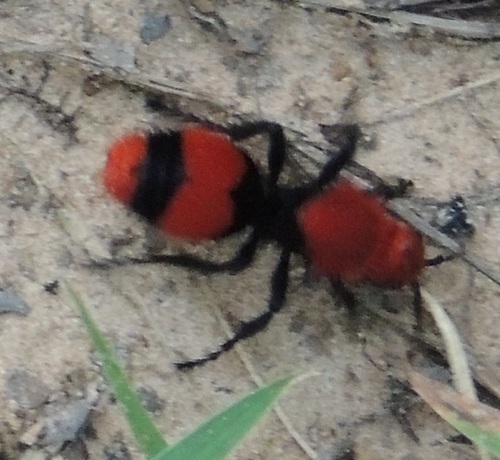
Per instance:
x=429, y=104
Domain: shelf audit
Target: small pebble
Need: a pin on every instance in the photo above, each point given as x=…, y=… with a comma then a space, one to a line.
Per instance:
x=154, y=27
x=26, y=389
x=12, y=303
x=64, y=420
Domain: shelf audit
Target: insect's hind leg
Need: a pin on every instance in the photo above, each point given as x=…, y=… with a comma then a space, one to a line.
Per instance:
x=240, y=261
x=276, y=151
x=333, y=167
x=277, y=143
x=246, y=329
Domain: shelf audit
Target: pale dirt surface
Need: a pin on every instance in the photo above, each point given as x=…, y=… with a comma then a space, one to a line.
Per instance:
x=432, y=106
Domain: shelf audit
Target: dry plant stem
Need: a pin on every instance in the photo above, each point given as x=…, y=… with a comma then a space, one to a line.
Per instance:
x=457, y=358
x=410, y=109
x=301, y=442
x=454, y=27
x=483, y=374
x=455, y=351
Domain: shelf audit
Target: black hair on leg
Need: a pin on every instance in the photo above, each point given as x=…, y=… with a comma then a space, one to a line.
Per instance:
x=246, y=329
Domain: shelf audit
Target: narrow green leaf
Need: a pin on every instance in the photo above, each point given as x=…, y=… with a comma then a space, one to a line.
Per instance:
x=479, y=422
x=148, y=437
x=487, y=439
x=217, y=437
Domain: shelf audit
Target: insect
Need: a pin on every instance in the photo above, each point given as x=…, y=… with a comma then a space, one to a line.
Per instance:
x=197, y=184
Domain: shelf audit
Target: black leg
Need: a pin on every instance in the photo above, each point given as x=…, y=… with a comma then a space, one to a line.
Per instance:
x=277, y=145
x=438, y=260
x=417, y=306
x=346, y=296
x=391, y=191
x=246, y=329
x=333, y=167
x=241, y=260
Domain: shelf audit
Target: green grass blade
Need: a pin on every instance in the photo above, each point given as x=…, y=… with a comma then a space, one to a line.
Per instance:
x=147, y=435
x=217, y=437
x=479, y=422
x=489, y=440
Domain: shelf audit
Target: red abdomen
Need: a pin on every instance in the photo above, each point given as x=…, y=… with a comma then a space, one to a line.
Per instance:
x=203, y=207
x=182, y=182
x=350, y=236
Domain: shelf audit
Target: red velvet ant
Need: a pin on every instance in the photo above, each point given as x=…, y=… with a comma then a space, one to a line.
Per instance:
x=197, y=184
